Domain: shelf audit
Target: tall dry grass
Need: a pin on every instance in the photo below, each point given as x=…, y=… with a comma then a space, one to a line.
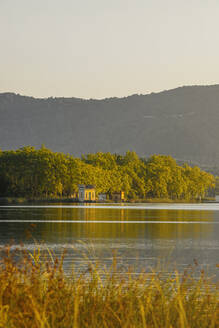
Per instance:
x=35, y=293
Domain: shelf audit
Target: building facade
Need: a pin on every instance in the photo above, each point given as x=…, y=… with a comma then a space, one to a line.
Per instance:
x=118, y=196
x=102, y=197
x=86, y=193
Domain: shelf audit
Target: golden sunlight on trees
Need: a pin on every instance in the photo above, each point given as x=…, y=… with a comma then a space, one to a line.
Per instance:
x=32, y=173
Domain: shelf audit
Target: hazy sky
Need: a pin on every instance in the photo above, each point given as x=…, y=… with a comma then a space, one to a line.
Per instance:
x=104, y=48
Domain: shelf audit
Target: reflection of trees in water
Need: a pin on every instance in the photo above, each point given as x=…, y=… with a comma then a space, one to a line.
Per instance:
x=140, y=245
x=123, y=230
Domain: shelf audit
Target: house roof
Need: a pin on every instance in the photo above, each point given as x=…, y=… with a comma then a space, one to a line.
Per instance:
x=86, y=186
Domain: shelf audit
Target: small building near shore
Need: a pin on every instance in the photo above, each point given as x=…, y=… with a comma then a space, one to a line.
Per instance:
x=86, y=193
x=118, y=196
x=102, y=197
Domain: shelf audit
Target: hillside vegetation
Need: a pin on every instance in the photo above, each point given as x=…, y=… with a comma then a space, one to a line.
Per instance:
x=182, y=123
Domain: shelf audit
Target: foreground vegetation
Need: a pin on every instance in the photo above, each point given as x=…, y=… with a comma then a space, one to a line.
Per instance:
x=32, y=173
x=37, y=294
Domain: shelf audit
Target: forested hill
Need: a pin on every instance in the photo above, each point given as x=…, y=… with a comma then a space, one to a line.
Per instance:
x=182, y=122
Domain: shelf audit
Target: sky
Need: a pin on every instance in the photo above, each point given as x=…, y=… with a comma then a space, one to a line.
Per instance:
x=107, y=48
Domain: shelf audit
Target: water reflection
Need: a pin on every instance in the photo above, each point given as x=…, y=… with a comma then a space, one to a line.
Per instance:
x=90, y=229
x=140, y=236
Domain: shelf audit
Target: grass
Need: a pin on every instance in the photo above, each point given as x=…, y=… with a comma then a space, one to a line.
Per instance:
x=20, y=200
x=36, y=293
x=164, y=200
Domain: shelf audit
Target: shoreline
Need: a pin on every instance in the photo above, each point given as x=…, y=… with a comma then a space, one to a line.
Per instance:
x=28, y=201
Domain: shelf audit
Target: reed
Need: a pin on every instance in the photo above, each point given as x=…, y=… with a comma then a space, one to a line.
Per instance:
x=36, y=293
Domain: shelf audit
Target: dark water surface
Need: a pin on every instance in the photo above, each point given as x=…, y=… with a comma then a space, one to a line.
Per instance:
x=141, y=235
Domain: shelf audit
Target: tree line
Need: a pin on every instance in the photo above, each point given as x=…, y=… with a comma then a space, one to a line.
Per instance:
x=32, y=173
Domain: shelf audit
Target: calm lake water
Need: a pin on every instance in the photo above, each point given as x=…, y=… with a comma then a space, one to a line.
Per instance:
x=141, y=236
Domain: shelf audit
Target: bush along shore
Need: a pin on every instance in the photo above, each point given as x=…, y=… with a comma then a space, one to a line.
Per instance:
x=42, y=174
x=65, y=200
x=36, y=293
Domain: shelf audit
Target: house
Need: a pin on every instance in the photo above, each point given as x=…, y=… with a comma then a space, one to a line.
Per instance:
x=102, y=197
x=86, y=193
x=118, y=196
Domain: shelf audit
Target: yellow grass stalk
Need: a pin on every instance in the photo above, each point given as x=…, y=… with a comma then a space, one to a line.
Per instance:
x=36, y=293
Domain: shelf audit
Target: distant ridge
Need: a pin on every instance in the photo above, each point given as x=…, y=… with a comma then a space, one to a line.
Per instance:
x=182, y=122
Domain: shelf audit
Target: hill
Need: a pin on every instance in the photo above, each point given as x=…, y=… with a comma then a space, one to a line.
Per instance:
x=182, y=122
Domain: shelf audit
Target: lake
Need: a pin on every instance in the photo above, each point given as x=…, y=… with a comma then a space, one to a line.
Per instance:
x=165, y=236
